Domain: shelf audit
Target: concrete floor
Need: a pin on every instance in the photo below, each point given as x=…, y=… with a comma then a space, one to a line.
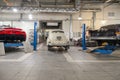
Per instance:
x=58, y=65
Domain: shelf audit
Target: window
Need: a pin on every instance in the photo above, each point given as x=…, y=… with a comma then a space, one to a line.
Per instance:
x=76, y=34
x=111, y=14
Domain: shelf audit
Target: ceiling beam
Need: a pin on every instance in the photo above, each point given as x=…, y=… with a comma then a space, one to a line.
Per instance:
x=55, y=3
x=37, y=9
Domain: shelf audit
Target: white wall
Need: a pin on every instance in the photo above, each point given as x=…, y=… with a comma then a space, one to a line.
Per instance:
x=66, y=27
x=87, y=18
x=77, y=24
x=109, y=20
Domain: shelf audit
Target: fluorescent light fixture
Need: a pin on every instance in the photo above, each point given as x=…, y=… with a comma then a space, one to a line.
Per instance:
x=30, y=16
x=15, y=10
x=79, y=18
x=1, y=23
x=103, y=22
x=23, y=22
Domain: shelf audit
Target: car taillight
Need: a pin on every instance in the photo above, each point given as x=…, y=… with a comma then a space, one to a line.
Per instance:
x=8, y=32
x=2, y=31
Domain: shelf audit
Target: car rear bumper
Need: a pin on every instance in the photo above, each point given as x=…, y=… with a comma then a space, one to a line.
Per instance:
x=12, y=37
x=58, y=45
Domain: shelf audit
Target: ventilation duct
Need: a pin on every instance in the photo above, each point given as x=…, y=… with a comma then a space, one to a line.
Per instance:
x=37, y=9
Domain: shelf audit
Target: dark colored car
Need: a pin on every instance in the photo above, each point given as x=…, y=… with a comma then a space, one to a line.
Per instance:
x=108, y=33
x=12, y=35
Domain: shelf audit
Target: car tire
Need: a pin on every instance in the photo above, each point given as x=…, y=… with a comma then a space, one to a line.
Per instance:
x=66, y=48
x=49, y=47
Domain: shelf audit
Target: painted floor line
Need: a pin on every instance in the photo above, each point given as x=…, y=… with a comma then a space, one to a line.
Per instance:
x=8, y=60
x=21, y=58
x=24, y=57
x=70, y=59
x=17, y=60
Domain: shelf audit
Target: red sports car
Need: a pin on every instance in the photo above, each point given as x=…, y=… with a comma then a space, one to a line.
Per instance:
x=12, y=35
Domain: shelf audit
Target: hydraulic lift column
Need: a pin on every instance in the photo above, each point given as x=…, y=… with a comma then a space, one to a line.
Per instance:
x=83, y=37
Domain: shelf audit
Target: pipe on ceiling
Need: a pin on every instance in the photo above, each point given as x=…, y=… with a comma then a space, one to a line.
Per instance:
x=8, y=3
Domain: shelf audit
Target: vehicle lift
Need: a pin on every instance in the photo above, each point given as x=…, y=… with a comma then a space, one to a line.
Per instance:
x=107, y=49
x=17, y=44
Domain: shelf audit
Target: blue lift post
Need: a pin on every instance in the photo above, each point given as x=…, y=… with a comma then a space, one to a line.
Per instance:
x=35, y=37
x=83, y=37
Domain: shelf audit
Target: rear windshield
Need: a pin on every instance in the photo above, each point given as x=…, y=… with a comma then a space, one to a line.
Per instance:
x=57, y=32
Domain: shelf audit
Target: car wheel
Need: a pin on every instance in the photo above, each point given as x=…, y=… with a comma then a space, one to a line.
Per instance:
x=49, y=47
x=66, y=48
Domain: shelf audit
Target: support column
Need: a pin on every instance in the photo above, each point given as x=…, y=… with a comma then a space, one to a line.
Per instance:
x=83, y=37
x=70, y=28
x=2, y=50
x=35, y=37
x=93, y=20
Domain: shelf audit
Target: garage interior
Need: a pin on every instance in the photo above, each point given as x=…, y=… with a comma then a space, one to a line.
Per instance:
x=94, y=48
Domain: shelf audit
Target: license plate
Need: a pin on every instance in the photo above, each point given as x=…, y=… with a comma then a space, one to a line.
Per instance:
x=59, y=38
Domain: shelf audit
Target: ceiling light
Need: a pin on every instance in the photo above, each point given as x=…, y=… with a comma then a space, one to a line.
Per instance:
x=79, y=18
x=23, y=22
x=80, y=14
x=30, y=16
x=103, y=22
x=15, y=10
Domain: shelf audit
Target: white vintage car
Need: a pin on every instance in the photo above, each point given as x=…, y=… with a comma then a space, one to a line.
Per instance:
x=57, y=38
